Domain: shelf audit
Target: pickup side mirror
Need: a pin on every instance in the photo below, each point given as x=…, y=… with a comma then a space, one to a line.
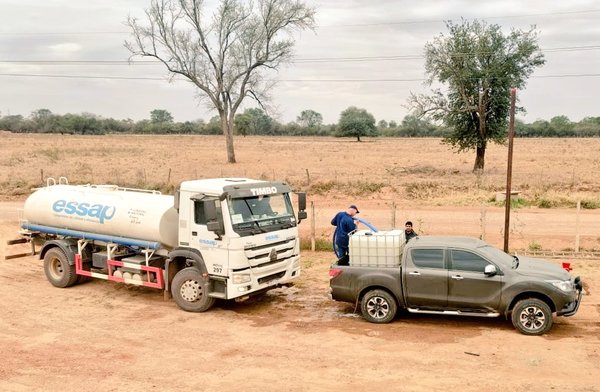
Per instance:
x=490, y=270
x=302, y=206
x=213, y=223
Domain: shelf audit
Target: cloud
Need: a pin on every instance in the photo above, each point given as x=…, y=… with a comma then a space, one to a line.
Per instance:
x=65, y=48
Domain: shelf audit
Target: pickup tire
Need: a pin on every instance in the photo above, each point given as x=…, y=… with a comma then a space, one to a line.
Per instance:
x=378, y=306
x=532, y=316
x=58, y=270
x=189, y=290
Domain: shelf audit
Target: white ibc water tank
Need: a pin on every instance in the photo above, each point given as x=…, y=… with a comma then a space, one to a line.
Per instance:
x=380, y=249
x=106, y=210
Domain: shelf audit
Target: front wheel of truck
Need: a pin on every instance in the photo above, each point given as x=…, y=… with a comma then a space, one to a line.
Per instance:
x=378, y=306
x=532, y=316
x=189, y=290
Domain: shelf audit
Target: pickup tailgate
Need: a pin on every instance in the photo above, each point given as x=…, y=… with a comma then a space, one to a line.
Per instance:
x=348, y=283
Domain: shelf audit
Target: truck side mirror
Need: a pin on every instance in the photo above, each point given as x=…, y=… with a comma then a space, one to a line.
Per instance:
x=301, y=201
x=302, y=206
x=213, y=223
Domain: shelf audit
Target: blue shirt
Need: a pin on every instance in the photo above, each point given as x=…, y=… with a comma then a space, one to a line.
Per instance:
x=344, y=225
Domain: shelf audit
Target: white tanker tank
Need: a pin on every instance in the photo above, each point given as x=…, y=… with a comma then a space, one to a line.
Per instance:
x=104, y=212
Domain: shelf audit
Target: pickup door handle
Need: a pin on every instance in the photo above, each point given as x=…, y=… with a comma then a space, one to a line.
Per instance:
x=457, y=277
x=415, y=273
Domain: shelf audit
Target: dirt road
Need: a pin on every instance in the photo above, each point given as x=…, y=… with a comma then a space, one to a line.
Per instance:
x=101, y=336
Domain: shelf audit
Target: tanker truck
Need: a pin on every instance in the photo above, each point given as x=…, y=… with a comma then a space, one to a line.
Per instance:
x=227, y=238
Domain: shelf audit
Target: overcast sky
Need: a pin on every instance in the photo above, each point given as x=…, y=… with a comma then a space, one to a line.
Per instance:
x=51, y=30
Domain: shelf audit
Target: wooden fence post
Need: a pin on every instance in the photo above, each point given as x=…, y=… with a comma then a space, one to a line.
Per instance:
x=312, y=226
x=393, y=214
x=482, y=220
x=577, y=226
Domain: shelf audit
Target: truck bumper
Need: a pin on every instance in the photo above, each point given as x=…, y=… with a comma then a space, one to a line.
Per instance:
x=266, y=278
x=572, y=307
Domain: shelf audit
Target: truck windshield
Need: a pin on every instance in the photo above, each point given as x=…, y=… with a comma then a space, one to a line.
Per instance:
x=261, y=214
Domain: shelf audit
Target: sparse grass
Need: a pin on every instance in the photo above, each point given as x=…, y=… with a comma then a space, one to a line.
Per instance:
x=323, y=187
x=534, y=246
x=53, y=154
x=352, y=188
x=418, y=171
x=321, y=244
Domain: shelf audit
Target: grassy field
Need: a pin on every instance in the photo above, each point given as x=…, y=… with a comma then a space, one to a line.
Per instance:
x=421, y=171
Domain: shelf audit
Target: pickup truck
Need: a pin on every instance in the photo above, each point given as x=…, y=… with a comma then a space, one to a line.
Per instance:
x=460, y=276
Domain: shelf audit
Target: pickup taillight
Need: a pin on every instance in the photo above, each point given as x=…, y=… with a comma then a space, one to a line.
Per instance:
x=334, y=272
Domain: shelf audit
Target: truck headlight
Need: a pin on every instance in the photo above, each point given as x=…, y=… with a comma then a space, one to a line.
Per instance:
x=564, y=285
x=240, y=278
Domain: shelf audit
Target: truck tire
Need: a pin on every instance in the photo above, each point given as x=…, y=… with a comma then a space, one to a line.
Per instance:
x=378, y=306
x=532, y=316
x=189, y=290
x=58, y=270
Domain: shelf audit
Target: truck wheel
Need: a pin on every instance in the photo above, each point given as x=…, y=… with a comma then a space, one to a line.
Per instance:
x=532, y=316
x=189, y=291
x=378, y=306
x=58, y=270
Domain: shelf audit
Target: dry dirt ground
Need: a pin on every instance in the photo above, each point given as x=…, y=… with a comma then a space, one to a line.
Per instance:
x=101, y=336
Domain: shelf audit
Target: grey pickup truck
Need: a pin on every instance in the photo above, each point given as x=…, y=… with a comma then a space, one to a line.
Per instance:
x=458, y=276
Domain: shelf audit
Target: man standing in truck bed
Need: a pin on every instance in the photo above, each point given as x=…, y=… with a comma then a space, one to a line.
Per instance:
x=344, y=224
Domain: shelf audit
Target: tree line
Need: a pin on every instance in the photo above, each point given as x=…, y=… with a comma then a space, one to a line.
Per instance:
x=353, y=122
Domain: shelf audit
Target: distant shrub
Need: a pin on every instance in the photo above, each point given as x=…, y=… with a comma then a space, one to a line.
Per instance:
x=590, y=204
x=534, y=246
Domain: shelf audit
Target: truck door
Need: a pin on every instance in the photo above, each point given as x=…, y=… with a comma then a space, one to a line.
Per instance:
x=211, y=246
x=468, y=287
x=426, y=279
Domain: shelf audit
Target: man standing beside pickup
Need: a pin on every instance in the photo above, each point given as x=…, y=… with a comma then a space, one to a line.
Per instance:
x=408, y=231
x=344, y=224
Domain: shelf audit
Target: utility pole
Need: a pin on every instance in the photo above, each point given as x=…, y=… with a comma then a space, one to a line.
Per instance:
x=511, y=135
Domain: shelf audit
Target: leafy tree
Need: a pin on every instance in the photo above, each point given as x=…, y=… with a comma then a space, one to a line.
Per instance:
x=253, y=121
x=392, y=124
x=478, y=65
x=84, y=123
x=227, y=56
x=160, y=116
x=382, y=124
x=562, y=126
x=12, y=123
x=310, y=119
x=44, y=120
x=355, y=122
x=415, y=126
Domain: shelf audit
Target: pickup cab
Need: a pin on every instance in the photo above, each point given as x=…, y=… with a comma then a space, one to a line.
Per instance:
x=459, y=276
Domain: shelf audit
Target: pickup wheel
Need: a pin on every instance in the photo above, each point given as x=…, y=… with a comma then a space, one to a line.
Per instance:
x=189, y=290
x=532, y=316
x=378, y=306
x=58, y=270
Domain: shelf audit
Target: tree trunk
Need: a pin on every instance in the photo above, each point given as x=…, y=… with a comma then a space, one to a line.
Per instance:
x=480, y=158
x=228, y=132
x=358, y=138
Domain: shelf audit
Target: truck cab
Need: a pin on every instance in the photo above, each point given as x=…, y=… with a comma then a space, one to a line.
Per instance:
x=245, y=231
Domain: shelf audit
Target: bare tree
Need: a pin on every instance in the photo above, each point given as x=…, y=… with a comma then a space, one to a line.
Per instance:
x=226, y=56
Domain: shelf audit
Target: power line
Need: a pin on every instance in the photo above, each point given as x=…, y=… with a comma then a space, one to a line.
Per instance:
x=297, y=61
x=280, y=80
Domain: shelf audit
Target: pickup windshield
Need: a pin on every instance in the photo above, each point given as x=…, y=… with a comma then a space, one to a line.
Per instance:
x=498, y=256
x=261, y=214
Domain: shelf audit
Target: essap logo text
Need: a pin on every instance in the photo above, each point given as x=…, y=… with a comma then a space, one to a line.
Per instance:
x=99, y=211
